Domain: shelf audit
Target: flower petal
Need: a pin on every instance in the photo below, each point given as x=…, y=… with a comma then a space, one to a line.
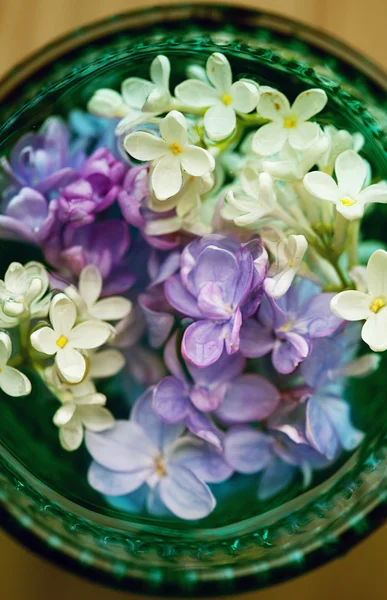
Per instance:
x=203, y=459
x=111, y=309
x=170, y=400
x=64, y=414
x=249, y=398
x=71, y=435
x=185, y=495
x=211, y=303
x=247, y=450
x=374, y=331
x=203, y=343
x=219, y=72
x=309, y=103
x=160, y=71
x=96, y=418
x=124, y=448
x=351, y=305
x=106, y=363
x=196, y=161
x=14, y=382
x=89, y=334
x=322, y=186
x=44, y=340
x=245, y=96
x=5, y=348
x=166, y=177
x=135, y=91
x=179, y=297
x=219, y=122
x=304, y=135
x=319, y=429
x=112, y=483
x=62, y=314
x=256, y=340
x=269, y=139
x=144, y=146
x=273, y=105
x=201, y=425
x=90, y=284
x=173, y=128
x=197, y=94
x=289, y=352
x=276, y=477
x=376, y=274
x=351, y=172
x=71, y=364
x=339, y=413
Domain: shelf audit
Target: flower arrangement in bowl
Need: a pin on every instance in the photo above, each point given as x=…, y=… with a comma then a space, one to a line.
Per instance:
x=193, y=309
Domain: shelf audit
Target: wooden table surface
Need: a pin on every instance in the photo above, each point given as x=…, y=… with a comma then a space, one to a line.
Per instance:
x=24, y=26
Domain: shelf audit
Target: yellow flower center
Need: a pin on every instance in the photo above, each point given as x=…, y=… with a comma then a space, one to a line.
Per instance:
x=62, y=341
x=175, y=148
x=226, y=99
x=347, y=201
x=291, y=264
x=160, y=467
x=286, y=326
x=290, y=122
x=377, y=304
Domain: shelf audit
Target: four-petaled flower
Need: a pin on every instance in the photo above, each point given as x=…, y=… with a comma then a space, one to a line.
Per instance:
x=23, y=288
x=12, y=381
x=253, y=201
x=169, y=155
x=288, y=122
x=64, y=339
x=222, y=98
x=347, y=194
x=288, y=254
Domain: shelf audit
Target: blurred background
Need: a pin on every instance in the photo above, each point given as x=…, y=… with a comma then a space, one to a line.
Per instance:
x=25, y=25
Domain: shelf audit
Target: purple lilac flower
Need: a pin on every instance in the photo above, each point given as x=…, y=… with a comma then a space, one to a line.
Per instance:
x=286, y=327
x=147, y=451
x=41, y=161
x=219, y=285
x=99, y=183
x=178, y=399
x=103, y=244
x=272, y=454
x=88, y=133
x=320, y=416
x=28, y=216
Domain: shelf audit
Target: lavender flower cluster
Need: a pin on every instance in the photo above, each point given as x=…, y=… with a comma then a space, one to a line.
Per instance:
x=234, y=341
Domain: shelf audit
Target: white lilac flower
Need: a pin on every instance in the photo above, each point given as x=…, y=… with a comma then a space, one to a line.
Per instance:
x=253, y=201
x=339, y=141
x=371, y=306
x=82, y=408
x=292, y=165
x=107, y=103
x=22, y=286
x=288, y=122
x=288, y=253
x=222, y=98
x=347, y=194
x=12, y=382
x=170, y=155
x=64, y=339
x=87, y=301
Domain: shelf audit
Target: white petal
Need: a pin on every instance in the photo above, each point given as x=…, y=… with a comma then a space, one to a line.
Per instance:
x=197, y=94
x=219, y=122
x=273, y=105
x=244, y=96
x=71, y=435
x=160, y=71
x=95, y=398
x=106, y=363
x=322, y=186
x=15, y=278
x=278, y=285
x=71, y=364
x=374, y=331
x=14, y=383
x=158, y=101
x=111, y=309
x=44, y=340
x=163, y=226
x=219, y=72
x=352, y=212
x=196, y=161
x=309, y=103
x=351, y=305
x=166, y=177
x=5, y=348
x=89, y=334
x=173, y=128
x=64, y=414
x=96, y=418
x=62, y=314
x=90, y=284
x=304, y=135
x=144, y=146
x=135, y=91
x=376, y=274
x=106, y=103
x=351, y=172
x=297, y=246
x=131, y=120
x=269, y=139
x=374, y=193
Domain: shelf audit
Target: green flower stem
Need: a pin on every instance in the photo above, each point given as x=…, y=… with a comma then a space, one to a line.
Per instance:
x=340, y=235
x=353, y=243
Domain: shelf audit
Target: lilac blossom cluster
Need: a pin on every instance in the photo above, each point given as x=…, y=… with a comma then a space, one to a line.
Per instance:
x=199, y=273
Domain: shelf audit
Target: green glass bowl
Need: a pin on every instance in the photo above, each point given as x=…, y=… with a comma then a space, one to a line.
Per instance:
x=44, y=496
